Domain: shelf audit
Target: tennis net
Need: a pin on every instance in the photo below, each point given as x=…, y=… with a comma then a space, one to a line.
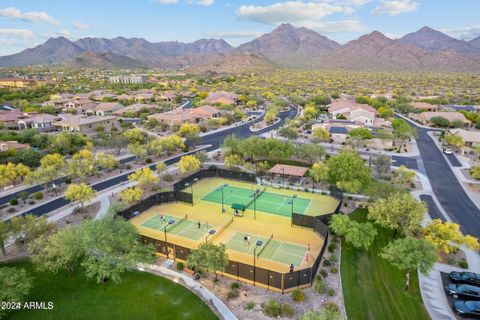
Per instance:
x=177, y=223
x=256, y=194
x=264, y=246
x=220, y=231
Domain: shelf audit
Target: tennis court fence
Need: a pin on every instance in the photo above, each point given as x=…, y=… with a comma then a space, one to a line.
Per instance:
x=155, y=200
x=214, y=172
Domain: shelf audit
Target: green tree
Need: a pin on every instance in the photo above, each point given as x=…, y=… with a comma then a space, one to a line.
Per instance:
x=310, y=152
x=399, y=212
x=80, y=192
x=145, y=177
x=82, y=165
x=319, y=172
x=403, y=176
x=439, y=121
x=134, y=135
x=25, y=229
x=208, y=256
x=131, y=195
x=409, y=254
x=104, y=249
x=321, y=134
x=402, y=132
x=189, y=164
x=107, y=161
x=446, y=236
x=190, y=132
x=361, y=133
x=454, y=140
x=359, y=235
x=138, y=150
x=348, y=172
x=15, y=284
x=383, y=164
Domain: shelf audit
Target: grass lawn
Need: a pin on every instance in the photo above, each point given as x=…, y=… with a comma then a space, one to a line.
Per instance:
x=139, y=295
x=373, y=288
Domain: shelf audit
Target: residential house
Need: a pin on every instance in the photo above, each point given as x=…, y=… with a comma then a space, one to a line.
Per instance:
x=180, y=116
x=353, y=111
x=425, y=117
x=80, y=105
x=9, y=119
x=470, y=138
x=86, y=125
x=221, y=97
x=42, y=122
x=134, y=109
x=105, y=108
x=21, y=83
x=144, y=97
x=423, y=106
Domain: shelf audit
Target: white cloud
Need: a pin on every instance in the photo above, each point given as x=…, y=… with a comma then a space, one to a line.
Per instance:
x=290, y=11
x=81, y=26
x=395, y=7
x=235, y=34
x=63, y=33
x=326, y=27
x=205, y=3
x=465, y=33
x=19, y=33
x=33, y=16
x=167, y=1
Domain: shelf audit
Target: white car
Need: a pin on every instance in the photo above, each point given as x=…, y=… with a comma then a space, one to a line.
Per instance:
x=448, y=151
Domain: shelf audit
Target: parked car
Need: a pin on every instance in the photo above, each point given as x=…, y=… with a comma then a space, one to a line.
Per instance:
x=448, y=151
x=465, y=277
x=464, y=291
x=469, y=309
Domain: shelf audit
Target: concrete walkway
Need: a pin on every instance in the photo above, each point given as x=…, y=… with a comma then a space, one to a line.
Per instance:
x=206, y=295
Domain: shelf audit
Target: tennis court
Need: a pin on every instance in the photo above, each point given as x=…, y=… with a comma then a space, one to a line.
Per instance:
x=266, y=201
x=270, y=249
x=180, y=227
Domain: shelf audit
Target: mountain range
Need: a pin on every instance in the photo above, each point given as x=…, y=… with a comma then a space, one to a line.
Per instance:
x=286, y=46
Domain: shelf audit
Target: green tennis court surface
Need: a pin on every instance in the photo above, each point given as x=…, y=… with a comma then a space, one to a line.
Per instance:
x=270, y=249
x=180, y=227
x=266, y=201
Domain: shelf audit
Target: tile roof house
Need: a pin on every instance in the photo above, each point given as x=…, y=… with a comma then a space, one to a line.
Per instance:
x=105, y=108
x=134, y=109
x=86, y=125
x=424, y=106
x=425, y=117
x=8, y=145
x=221, y=97
x=9, y=119
x=470, y=138
x=353, y=111
x=42, y=122
x=180, y=116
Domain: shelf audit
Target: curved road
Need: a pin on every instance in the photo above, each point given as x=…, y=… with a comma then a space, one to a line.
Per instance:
x=215, y=140
x=446, y=187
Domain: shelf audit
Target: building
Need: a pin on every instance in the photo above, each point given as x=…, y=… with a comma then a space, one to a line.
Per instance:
x=9, y=119
x=86, y=125
x=20, y=83
x=425, y=117
x=353, y=111
x=470, y=138
x=180, y=116
x=133, y=79
x=134, y=109
x=105, y=109
x=79, y=106
x=42, y=122
x=423, y=106
x=221, y=97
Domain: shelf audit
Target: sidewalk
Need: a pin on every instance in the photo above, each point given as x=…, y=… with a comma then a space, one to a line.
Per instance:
x=206, y=295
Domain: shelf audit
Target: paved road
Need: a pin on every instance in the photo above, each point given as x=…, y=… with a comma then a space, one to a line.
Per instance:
x=453, y=160
x=446, y=187
x=215, y=140
x=433, y=210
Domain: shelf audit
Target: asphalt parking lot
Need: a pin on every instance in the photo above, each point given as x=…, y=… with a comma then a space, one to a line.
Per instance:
x=445, y=281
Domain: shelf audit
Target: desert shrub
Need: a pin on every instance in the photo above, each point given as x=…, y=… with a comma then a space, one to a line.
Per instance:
x=232, y=294
x=298, y=295
x=167, y=178
x=334, y=270
x=38, y=195
x=324, y=272
x=332, y=306
x=463, y=264
x=333, y=258
x=287, y=310
x=332, y=247
x=326, y=263
x=319, y=286
x=180, y=266
x=13, y=201
x=235, y=285
x=250, y=305
x=68, y=180
x=11, y=210
x=31, y=202
x=331, y=292
x=451, y=259
x=272, y=308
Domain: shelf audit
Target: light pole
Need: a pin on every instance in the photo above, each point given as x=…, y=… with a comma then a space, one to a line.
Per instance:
x=255, y=204
x=291, y=202
x=283, y=176
x=191, y=186
x=257, y=245
x=170, y=222
x=222, y=187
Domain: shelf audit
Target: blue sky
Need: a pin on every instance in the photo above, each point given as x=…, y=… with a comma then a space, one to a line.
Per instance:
x=25, y=23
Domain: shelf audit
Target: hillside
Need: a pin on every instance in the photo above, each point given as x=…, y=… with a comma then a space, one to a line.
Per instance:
x=105, y=60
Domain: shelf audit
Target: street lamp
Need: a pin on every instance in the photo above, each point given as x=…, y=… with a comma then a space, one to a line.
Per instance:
x=257, y=245
x=211, y=232
x=191, y=186
x=170, y=222
x=291, y=202
x=222, y=187
x=255, y=204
